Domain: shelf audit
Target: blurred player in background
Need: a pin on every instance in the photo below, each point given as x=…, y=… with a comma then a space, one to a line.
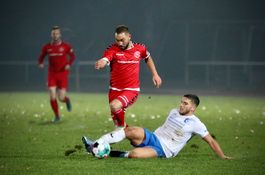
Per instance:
x=61, y=57
x=124, y=58
x=168, y=139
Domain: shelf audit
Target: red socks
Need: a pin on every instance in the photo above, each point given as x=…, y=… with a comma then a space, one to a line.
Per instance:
x=114, y=119
x=54, y=106
x=119, y=117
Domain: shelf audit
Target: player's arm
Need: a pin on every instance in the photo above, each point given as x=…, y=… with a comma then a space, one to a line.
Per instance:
x=41, y=57
x=72, y=59
x=215, y=146
x=151, y=65
x=101, y=63
x=106, y=58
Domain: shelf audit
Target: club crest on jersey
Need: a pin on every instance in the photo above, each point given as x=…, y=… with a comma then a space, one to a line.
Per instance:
x=137, y=54
x=61, y=49
x=186, y=120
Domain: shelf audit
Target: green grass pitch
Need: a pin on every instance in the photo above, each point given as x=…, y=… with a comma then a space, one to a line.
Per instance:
x=31, y=144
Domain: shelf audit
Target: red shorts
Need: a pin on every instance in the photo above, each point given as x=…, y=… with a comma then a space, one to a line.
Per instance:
x=127, y=98
x=60, y=79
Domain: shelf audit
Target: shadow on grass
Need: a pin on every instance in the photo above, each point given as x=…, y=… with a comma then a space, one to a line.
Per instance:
x=43, y=123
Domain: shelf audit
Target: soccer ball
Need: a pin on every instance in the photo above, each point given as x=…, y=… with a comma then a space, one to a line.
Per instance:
x=101, y=149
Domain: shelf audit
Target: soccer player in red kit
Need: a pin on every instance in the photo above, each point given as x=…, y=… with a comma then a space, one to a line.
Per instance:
x=124, y=58
x=58, y=71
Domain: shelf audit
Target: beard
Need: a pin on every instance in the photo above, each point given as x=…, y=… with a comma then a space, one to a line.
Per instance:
x=183, y=112
x=56, y=40
x=124, y=47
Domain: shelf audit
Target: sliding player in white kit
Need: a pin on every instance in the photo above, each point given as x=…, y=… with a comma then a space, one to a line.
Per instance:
x=167, y=140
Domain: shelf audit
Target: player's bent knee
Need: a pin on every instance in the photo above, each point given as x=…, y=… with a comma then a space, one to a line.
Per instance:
x=61, y=98
x=134, y=134
x=129, y=131
x=115, y=105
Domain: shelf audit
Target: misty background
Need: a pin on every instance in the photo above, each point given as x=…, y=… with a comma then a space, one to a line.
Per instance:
x=212, y=45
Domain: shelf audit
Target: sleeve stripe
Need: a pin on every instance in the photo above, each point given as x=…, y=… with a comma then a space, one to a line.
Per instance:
x=106, y=59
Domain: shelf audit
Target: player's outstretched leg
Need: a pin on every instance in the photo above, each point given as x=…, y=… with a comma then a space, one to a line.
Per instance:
x=88, y=144
x=114, y=153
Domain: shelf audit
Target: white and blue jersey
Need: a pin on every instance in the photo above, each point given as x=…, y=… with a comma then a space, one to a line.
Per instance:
x=177, y=130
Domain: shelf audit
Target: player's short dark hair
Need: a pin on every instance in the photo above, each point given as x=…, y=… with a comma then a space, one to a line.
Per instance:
x=194, y=98
x=121, y=29
x=55, y=28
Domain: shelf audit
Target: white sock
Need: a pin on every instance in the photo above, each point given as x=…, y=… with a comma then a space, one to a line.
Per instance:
x=114, y=136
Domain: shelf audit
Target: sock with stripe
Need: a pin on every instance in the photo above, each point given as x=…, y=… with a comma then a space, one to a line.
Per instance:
x=119, y=115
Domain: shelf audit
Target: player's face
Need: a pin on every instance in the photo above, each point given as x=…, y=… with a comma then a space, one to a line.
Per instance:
x=186, y=106
x=123, y=40
x=56, y=35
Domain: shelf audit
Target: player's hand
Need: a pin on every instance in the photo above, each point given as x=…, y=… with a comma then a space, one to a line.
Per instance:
x=41, y=66
x=100, y=64
x=157, y=81
x=67, y=67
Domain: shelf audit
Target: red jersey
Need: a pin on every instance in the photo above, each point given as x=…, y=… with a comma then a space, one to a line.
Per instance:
x=125, y=66
x=57, y=56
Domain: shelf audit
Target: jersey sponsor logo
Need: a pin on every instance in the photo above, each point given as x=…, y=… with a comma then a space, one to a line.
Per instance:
x=128, y=62
x=137, y=54
x=55, y=54
x=119, y=54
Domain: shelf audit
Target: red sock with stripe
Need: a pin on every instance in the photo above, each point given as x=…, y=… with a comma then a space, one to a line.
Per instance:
x=119, y=115
x=114, y=119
